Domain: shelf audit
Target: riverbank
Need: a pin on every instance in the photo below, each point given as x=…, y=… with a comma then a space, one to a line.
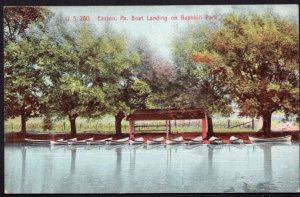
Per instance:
x=18, y=137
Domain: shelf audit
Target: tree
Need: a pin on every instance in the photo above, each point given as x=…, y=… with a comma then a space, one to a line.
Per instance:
x=198, y=85
x=63, y=58
x=84, y=71
x=113, y=71
x=47, y=122
x=21, y=81
x=157, y=73
x=21, y=76
x=260, y=63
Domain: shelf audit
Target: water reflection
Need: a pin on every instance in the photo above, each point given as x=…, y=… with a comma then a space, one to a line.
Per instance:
x=23, y=152
x=73, y=161
x=268, y=163
x=176, y=168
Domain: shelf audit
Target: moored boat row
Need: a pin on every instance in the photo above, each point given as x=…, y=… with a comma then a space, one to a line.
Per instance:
x=160, y=140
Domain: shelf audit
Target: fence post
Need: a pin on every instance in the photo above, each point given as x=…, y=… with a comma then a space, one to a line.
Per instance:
x=252, y=125
x=228, y=124
x=131, y=129
x=167, y=129
x=64, y=126
x=12, y=127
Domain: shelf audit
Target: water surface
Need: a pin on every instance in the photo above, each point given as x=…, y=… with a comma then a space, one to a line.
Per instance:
x=152, y=169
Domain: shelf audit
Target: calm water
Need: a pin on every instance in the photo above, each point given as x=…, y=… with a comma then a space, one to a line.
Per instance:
x=156, y=168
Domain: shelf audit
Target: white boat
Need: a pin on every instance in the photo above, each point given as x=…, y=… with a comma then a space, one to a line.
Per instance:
x=155, y=141
x=177, y=140
x=99, y=142
x=55, y=142
x=71, y=141
x=215, y=140
x=275, y=139
x=235, y=140
x=32, y=141
x=120, y=141
x=197, y=140
x=80, y=142
x=138, y=140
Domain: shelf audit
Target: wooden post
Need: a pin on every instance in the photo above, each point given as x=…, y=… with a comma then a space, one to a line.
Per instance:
x=252, y=124
x=170, y=128
x=167, y=129
x=131, y=129
x=228, y=124
x=204, y=129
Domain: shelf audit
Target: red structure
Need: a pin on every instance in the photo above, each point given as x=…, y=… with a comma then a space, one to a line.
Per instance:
x=167, y=115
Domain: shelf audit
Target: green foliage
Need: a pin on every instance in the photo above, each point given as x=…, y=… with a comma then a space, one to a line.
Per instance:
x=198, y=83
x=21, y=80
x=260, y=55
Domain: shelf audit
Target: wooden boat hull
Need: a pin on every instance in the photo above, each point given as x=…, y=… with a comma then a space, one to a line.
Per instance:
x=99, y=142
x=171, y=142
x=155, y=141
x=197, y=140
x=194, y=142
x=37, y=142
x=132, y=142
x=239, y=141
x=77, y=143
x=58, y=143
x=149, y=142
x=277, y=139
x=96, y=143
x=118, y=142
x=136, y=141
x=216, y=142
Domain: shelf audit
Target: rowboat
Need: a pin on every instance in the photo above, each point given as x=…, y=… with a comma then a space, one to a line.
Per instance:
x=120, y=141
x=60, y=142
x=215, y=140
x=177, y=140
x=99, y=142
x=40, y=142
x=235, y=140
x=80, y=142
x=155, y=141
x=138, y=140
x=275, y=139
x=197, y=140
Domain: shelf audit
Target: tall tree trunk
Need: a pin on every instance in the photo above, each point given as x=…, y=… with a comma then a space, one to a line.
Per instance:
x=23, y=122
x=210, y=128
x=118, y=122
x=73, y=124
x=266, y=128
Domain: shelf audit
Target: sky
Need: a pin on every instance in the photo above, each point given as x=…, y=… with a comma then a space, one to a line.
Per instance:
x=160, y=33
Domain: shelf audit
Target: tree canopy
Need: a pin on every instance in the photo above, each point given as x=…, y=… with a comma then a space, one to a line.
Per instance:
x=21, y=76
x=260, y=63
x=197, y=82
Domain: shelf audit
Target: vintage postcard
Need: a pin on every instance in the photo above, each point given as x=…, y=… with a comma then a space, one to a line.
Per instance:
x=151, y=99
